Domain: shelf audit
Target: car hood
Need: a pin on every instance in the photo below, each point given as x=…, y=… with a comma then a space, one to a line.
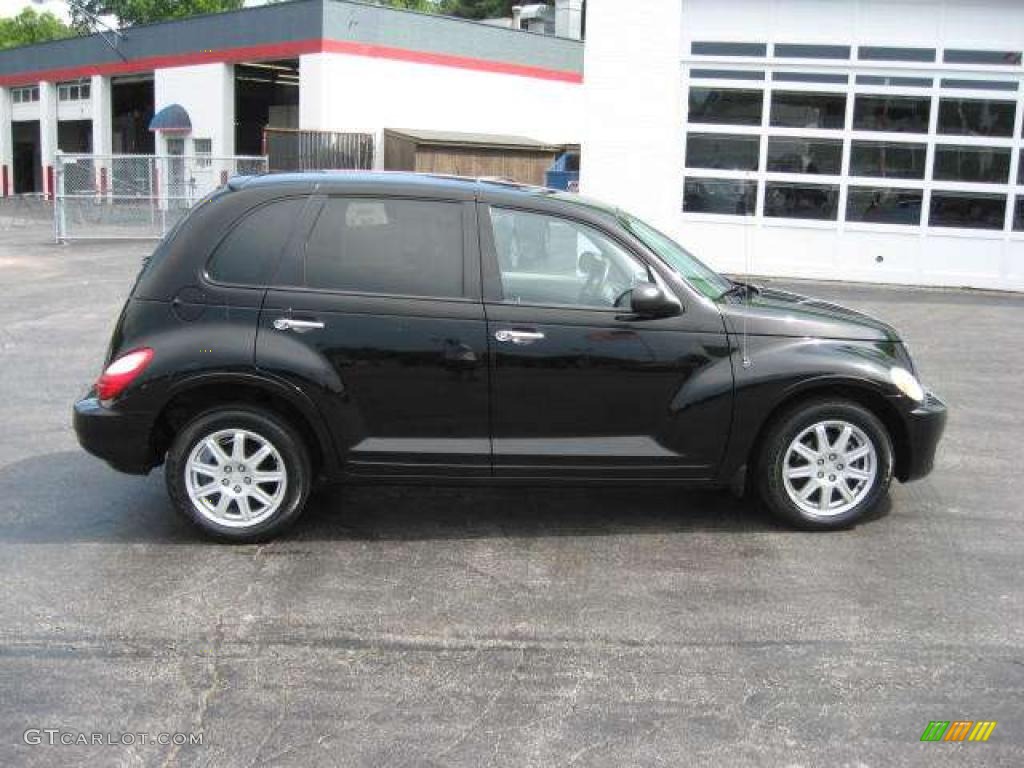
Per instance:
x=772, y=312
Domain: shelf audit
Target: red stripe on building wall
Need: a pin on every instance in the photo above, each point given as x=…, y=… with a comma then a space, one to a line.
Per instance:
x=449, y=60
x=7, y=188
x=288, y=50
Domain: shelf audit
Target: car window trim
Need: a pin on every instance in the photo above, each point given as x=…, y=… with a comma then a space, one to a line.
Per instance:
x=470, y=250
x=286, y=249
x=493, y=293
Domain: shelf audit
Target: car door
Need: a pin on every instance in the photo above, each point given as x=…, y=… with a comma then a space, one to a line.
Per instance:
x=379, y=318
x=580, y=387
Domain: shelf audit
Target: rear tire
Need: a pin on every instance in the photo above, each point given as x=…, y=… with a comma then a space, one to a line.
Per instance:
x=239, y=474
x=824, y=464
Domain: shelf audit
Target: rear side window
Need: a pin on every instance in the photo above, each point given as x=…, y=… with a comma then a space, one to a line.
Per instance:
x=404, y=247
x=250, y=252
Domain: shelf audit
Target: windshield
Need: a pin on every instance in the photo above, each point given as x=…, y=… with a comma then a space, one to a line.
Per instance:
x=701, y=277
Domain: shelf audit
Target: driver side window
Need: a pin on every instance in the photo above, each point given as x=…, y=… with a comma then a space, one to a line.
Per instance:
x=548, y=260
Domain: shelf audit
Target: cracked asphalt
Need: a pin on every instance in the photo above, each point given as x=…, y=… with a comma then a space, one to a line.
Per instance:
x=479, y=627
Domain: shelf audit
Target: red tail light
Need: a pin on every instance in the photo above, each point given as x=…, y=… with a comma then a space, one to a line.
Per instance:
x=122, y=372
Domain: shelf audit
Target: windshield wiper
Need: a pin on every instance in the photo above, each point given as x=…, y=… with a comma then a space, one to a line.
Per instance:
x=738, y=288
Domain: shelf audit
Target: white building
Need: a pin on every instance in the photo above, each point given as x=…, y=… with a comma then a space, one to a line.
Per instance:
x=326, y=65
x=875, y=140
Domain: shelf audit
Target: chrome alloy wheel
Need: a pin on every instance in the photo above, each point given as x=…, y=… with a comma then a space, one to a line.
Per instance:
x=829, y=468
x=236, y=478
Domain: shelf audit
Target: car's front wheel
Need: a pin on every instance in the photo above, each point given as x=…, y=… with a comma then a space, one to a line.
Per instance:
x=824, y=464
x=238, y=474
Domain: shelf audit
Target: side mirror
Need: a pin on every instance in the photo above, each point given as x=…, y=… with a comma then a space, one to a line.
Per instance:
x=648, y=300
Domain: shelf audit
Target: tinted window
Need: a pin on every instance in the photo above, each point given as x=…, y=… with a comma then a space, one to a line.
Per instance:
x=801, y=201
x=882, y=53
x=981, y=164
x=979, y=85
x=713, y=150
x=725, y=74
x=735, y=197
x=251, y=250
x=976, y=117
x=731, y=106
x=1018, y=214
x=798, y=109
x=548, y=260
x=999, y=58
x=913, y=82
x=405, y=247
x=900, y=114
x=884, y=205
x=786, y=155
x=888, y=160
x=791, y=51
x=809, y=77
x=711, y=48
x=963, y=209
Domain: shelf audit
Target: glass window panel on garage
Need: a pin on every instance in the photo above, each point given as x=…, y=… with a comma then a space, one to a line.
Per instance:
x=804, y=109
x=887, y=160
x=725, y=106
x=976, y=117
x=722, y=151
x=801, y=201
x=735, y=197
x=797, y=155
x=884, y=205
x=969, y=210
x=897, y=114
x=1018, y=214
x=990, y=165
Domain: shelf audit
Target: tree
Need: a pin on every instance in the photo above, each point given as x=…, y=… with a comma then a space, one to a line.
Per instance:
x=478, y=9
x=31, y=27
x=129, y=12
x=466, y=9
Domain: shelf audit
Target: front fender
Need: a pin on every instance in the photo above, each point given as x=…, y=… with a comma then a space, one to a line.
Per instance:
x=772, y=371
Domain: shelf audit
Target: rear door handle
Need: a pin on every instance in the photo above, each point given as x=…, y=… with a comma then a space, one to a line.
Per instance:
x=299, y=326
x=518, y=337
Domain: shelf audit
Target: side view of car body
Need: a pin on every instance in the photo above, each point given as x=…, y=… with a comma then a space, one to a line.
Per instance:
x=407, y=328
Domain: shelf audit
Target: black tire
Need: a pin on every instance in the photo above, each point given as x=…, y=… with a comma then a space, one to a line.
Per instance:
x=784, y=430
x=279, y=433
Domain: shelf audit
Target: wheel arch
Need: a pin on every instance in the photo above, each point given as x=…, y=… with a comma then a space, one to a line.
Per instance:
x=196, y=395
x=861, y=393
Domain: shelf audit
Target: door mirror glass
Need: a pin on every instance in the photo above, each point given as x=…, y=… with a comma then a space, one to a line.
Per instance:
x=648, y=300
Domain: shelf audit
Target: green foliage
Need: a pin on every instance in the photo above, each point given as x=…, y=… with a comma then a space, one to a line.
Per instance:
x=31, y=27
x=478, y=9
x=466, y=9
x=129, y=12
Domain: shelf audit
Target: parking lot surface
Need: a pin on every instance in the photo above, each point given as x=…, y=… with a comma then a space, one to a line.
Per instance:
x=507, y=627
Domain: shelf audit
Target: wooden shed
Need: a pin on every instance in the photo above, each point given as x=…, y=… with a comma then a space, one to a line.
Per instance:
x=468, y=154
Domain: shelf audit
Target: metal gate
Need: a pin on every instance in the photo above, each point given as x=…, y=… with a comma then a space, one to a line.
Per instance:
x=136, y=196
x=305, y=150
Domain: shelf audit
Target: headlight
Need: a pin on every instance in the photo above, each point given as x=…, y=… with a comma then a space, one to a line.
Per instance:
x=907, y=383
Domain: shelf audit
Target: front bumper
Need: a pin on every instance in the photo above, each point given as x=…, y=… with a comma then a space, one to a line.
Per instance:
x=925, y=424
x=121, y=439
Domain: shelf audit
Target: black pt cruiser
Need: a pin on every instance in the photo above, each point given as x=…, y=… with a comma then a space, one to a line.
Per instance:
x=405, y=328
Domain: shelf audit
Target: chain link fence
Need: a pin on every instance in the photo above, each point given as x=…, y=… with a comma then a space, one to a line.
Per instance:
x=136, y=196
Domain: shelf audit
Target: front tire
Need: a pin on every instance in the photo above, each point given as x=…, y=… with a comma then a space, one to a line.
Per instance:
x=239, y=474
x=825, y=464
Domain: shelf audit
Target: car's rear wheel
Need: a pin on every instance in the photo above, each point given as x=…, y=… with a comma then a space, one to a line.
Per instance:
x=824, y=464
x=239, y=474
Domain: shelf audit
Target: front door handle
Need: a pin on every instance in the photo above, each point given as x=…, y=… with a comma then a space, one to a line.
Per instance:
x=518, y=337
x=299, y=326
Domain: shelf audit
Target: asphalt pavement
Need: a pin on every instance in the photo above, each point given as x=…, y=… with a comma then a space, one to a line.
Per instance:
x=507, y=627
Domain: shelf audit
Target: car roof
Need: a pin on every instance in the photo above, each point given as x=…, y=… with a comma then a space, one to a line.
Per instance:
x=399, y=182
